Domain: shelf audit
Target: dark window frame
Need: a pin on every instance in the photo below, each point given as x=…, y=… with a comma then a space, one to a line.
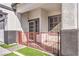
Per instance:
x=36, y=25
x=52, y=22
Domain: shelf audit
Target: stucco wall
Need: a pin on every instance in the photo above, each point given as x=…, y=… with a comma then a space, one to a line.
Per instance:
x=12, y=25
x=69, y=34
x=43, y=18
x=34, y=14
x=69, y=18
x=69, y=43
x=78, y=28
x=55, y=12
x=44, y=21
x=24, y=22
x=2, y=36
x=10, y=37
x=12, y=21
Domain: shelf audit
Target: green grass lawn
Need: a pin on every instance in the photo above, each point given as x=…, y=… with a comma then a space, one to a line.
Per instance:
x=11, y=54
x=6, y=45
x=31, y=52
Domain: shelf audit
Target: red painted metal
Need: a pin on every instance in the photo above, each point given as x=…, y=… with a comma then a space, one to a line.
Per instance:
x=27, y=36
x=51, y=46
x=20, y=37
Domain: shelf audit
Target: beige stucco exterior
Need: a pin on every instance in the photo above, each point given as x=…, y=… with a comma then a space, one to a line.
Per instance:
x=43, y=15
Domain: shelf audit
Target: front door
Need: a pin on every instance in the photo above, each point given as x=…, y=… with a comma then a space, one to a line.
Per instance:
x=33, y=28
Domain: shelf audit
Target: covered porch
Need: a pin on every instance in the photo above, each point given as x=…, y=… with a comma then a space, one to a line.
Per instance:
x=41, y=26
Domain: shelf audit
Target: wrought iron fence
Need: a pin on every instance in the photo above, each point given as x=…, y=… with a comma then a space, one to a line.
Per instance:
x=46, y=41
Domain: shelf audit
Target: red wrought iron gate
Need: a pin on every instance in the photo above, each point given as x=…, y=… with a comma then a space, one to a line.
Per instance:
x=46, y=41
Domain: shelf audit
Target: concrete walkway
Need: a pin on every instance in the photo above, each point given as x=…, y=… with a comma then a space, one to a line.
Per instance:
x=4, y=51
x=17, y=53
x=13, y=49
x=17, y=47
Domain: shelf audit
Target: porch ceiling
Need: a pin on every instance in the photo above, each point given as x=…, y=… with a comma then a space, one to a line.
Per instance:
x=21, y=8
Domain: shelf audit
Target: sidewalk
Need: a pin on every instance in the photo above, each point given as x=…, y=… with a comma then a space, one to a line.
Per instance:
x=4, y=51
x=14, y=48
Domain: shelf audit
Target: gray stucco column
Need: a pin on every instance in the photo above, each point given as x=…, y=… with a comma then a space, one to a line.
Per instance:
x=69, y=32
x=78, y=25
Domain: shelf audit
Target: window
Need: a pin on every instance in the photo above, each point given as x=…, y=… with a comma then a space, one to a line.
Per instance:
x=34, y=25
x=53, y=21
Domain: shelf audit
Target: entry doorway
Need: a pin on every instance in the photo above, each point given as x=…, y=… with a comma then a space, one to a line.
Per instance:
x=33, y=29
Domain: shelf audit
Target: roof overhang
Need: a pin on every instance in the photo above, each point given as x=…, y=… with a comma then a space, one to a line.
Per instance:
x=25, y=7
x=6, y=7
